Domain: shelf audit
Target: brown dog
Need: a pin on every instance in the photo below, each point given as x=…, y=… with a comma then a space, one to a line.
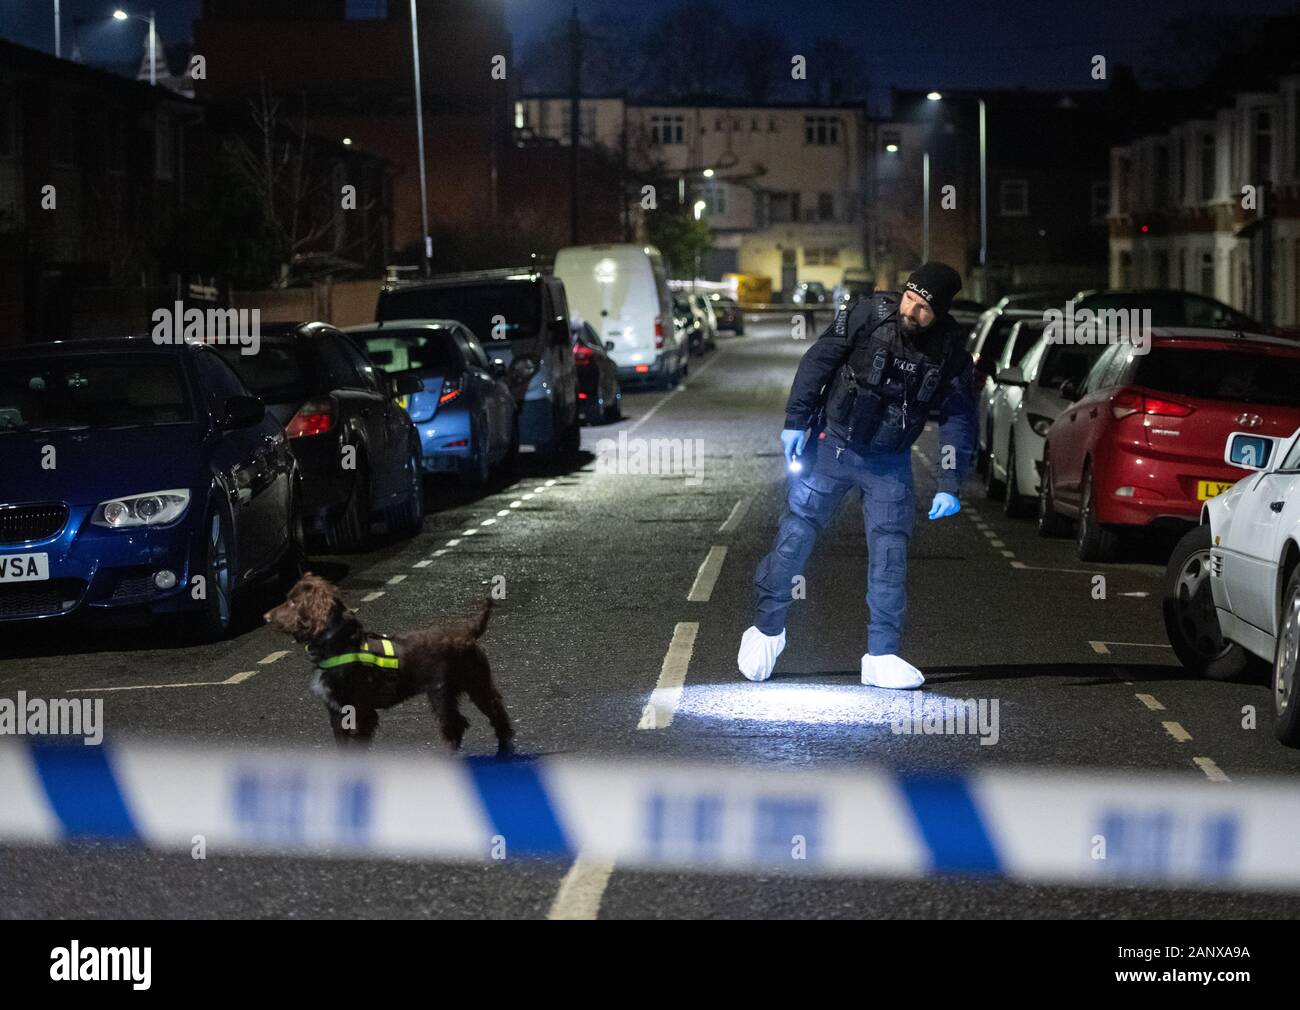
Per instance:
x=358, y=673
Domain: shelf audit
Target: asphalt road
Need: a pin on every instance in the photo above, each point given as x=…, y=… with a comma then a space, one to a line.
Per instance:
x=598, y=568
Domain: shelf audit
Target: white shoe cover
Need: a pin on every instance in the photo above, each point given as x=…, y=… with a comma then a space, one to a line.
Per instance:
x=758, y=653
x=891, y=672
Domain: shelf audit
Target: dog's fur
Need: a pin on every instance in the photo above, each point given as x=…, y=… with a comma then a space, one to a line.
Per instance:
x=443, y=664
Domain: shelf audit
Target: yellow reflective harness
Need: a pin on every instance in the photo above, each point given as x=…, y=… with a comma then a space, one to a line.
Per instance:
x=387, y=661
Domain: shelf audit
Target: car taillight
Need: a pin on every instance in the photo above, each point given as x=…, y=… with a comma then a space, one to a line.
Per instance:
x=582, y=354
x=1127, y=402
x=315, y=417
x=450, y=390
x=659, y=332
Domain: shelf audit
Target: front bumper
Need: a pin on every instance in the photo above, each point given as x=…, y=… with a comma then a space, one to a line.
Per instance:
x=101, y=571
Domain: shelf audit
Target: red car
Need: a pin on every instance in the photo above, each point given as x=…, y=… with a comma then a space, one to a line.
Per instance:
x=1142, y=444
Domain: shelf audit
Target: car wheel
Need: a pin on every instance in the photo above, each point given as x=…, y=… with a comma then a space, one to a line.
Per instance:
x=351, y=530
x=614, y=407
x=1014, y=504
x=1050, y=522
x=411, y=516
x=1095, y=543
x=478, y=468
x=1286, y=666
x=571, y=442
x=1191, y=621
x=216, y=618
x=994, y=489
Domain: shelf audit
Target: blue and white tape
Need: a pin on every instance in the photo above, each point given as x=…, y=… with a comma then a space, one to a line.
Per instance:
x=1069, y=827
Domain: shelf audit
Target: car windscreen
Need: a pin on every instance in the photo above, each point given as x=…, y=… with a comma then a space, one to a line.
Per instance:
x=92, y=390
x=1065, y=362
x=280, y=371
x=517, y=303
x=415, y=350
x=1026, y=337
x=1234, y=374
x=996, y=340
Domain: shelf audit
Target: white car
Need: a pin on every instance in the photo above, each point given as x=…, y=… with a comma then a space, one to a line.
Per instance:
x=1232, y=588
x=1026, y=400
x=986, y=343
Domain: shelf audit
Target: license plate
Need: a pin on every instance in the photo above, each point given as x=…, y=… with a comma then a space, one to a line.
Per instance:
x=24, y=567
x=1209, y=488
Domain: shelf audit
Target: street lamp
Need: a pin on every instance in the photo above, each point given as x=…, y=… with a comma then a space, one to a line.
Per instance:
x=699, y=209
x=419, y=136
x=121, y=15
x=935, y=96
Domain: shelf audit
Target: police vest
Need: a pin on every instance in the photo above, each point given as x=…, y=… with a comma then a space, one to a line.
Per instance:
x=879, y=399
x=378, y=663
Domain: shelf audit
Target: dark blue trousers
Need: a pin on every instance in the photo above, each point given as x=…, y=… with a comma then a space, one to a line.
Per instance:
x=888, y=514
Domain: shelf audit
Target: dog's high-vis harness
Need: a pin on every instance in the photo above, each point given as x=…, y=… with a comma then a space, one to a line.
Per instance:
x=372, y=656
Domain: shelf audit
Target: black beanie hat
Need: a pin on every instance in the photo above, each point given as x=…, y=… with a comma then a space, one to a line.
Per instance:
x=937, y=283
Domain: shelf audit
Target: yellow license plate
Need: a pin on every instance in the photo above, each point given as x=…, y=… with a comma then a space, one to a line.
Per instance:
x=1209, y=488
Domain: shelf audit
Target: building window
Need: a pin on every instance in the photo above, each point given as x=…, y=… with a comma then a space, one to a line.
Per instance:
x=717, y=125
x=822, y=257
x=821, y=130
x=667, y=129
x=1263, y=146
x=521, y=115
x=1015, y=198
x=1100, y=201
x=825, y=207
x=1207, y=166
x=164, y=148
x=1207, y=274
x=782, y=207
x=714, y=195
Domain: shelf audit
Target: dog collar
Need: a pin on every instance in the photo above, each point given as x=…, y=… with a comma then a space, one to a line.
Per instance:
x=388, y=660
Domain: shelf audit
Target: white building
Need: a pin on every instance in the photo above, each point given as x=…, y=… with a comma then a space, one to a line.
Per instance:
x=782, y=184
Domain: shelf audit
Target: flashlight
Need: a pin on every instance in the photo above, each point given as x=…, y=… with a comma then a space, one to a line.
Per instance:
x=795, y=465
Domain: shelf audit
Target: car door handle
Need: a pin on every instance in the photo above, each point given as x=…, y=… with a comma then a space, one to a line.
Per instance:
x=1277, y=506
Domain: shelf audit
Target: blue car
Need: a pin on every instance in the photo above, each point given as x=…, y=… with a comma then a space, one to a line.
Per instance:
x=464, y=412
x=139, y=480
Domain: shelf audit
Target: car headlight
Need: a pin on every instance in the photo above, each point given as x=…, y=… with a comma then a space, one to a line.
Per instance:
x=157, y=508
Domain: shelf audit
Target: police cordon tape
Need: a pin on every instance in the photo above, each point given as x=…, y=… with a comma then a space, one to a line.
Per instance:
x=1068, y=827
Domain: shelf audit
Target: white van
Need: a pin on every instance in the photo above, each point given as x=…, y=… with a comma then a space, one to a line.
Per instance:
x=622, y=291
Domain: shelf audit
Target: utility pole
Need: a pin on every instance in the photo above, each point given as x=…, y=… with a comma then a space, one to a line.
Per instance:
x=419, y=135
x=575, y=120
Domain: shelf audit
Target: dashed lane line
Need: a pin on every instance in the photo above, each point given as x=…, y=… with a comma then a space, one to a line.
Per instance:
x=582, y=889
x=1103, y=648
x=237, y=678
x=1212, y=771
x=1149, y=700
x=372, y=596
x=1175, y=730
x=707, y=576
x=737, y=513
x=273, y=657
x=658, y=712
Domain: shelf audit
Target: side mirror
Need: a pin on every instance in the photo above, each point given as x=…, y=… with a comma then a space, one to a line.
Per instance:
x=560, y=332
x=1070, y=389
x=405, y=385
x=1250, y=452
x=1011, y=376
x=609, y=345
x=498, y=368
x=242, y=412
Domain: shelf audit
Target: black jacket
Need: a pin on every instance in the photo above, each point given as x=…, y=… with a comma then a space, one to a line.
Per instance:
x=822, y=378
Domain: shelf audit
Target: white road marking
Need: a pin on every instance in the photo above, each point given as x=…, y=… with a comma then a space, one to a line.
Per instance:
x=996, y=543
x=503, y=512
x=372, y=596
x=453, y=543
x=1134, y=594
x=1008, y=554
x=527, y=496
x=582, y=889
x=550, y=482
x=1212, y=771
x=469, y=532
x=396, y=579
x=237, y=678
x=737, y=513
x=658, y=713
x=487, y=522
x=426, y=562
x=1101, y=647
x=705, y=578
x=539, y=489
x=681, y=388
x=240, y=677
x=516, y=503
x=441, y=551
x=1175, y=730
x=272, y=657
x=1038, y=568
x=1149, y=700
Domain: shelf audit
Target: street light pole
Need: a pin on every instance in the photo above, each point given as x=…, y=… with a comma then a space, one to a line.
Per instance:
x=984, y=185
x=58, y=42
x=419, y=133
x=153, y=49
x=925, y=207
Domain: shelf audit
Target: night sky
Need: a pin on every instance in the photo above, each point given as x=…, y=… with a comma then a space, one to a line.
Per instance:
x=903, y=42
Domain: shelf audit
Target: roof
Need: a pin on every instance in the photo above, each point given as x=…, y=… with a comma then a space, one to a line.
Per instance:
x=123, y=345
x=529, y=273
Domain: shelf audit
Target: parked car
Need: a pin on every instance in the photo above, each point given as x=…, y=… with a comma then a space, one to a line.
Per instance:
x=464, y=410
x=809, y=293
x=358, y=450
x=966, y=312
x=1170, y=308
x=1232, y=586
x=729, y=314
x=851, y=290
x=690, y=324
x=1027, y=401
x=986, y=343
x=600, y=397
x=708, y=321
x=1141, y=443
x=521, y=317
x=172, y=488
x=1036, y=301
x=622, y=290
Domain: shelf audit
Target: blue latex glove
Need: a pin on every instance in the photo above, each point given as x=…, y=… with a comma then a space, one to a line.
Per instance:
x=792, y=443
x=944, y=504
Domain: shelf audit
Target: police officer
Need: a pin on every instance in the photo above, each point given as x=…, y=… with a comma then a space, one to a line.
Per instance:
x=885, y=361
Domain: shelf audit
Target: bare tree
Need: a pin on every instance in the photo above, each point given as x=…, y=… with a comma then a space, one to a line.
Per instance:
x=761, y=58
x=835, y=71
